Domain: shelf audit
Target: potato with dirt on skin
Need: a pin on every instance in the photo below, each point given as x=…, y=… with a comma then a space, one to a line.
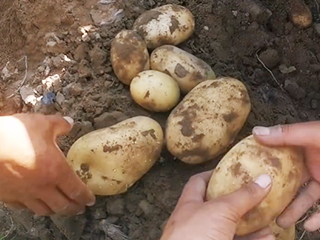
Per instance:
x=246, y=161
x=207, y=120
x=169, y=24
x=185, y=68
x=112, y=159
x=283, y=233
x=129, y=55
x=155, y=91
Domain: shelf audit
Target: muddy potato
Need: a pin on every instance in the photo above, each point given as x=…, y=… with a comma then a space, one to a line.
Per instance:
x=185, y=68
x=283, y=234
x=112, y=159
x=169, y=24
x=244, y=163
x=207, y=120
x=129, y=55
x=155, y=91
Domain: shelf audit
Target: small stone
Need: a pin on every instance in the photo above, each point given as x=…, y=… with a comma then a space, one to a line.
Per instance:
x=28, y=95
x=294, y=90
x=155, y=233
x=146, y=207
x=84, y=70
x=112, y=219
x=99, y=214
x=80, y=52
x=74, y=89
x=81, y=128
x=288, y=27
x=116, y=207
x=270, y=58
x=314, y=103
x=97, y=57
x=60, y=98
x=299, y=13
x=108, y=119
x=254, y=26
x=257, y=11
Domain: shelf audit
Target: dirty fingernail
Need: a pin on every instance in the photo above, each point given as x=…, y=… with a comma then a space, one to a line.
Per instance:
x=263, y=181
x=261, y=131
x=69, y=120
x=81, y=212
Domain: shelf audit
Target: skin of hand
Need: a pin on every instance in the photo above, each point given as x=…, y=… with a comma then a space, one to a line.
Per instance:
x=194, y=218
x=34, y=173
x=305, y=136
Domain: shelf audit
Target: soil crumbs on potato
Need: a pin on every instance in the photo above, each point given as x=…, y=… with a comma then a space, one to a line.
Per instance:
x=61, y=50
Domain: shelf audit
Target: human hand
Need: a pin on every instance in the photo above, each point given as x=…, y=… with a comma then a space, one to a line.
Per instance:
x=34, y=173
x=307, y=136
x=197, y=219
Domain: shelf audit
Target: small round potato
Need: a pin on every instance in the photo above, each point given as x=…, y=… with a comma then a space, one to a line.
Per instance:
x=246, y=161
x=169, y=24
x=185, y=68
x=283, y=234
x=112, y=159
x=207, y=120
x=129, y=55
x=155, y=91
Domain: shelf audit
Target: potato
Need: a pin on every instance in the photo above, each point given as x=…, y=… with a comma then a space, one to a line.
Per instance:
x=283, y=234
x=111, y=160
x=169, y=24
x=207, y=120
x=185, y=68
x=129, y=55
x=244, y=163
x=155, y=91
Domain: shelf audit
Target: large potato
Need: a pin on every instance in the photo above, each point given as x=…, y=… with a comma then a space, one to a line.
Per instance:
x=169, y=24
x=155, y=91
x=207, y=120
x=185, y=68
x=112, y=159
x=129, y=55
x=283, y=233
x=244, y=163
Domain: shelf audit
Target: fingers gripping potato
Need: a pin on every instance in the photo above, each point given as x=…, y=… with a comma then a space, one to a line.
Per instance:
x=169, y=24
x=207, y=120
x=283, y=234
x=244, y=163
x=129, y=56
x=186, y=69
x=112, y=159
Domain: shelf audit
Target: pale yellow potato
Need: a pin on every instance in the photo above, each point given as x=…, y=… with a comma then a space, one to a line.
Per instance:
x=185, y=68
x=169, y=24
x=283, y=233
x=112, y=159
x=207, y=120
x=129, y=55
x=246, y=161
x=155, y=91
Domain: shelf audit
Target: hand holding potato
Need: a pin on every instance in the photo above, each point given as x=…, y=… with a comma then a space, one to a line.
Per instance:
x=193, y=218
x=33, y=170
x=307, y=136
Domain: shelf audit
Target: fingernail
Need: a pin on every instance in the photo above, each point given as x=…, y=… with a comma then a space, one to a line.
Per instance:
x=69, y=120
x=263, y=181
x=91, y=204
x=261, y=131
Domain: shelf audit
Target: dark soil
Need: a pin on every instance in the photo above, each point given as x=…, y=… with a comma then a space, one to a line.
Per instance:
x=229, y=37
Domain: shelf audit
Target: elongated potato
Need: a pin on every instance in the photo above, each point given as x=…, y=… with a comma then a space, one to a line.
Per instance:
x=129, y=55
x=185, y=68
x=244, y=163
x=207, y=120
x=112, y=159
x=155, y=91
x=169, y=24
x=283, y=234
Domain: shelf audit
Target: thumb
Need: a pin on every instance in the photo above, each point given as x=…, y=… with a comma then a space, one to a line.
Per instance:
x=299, y=134
x=249, y=195
x=61, y=125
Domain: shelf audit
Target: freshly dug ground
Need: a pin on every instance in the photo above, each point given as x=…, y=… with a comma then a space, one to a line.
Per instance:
x=63, y=47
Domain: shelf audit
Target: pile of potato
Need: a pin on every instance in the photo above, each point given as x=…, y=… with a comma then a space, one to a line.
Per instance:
x=200, y=127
